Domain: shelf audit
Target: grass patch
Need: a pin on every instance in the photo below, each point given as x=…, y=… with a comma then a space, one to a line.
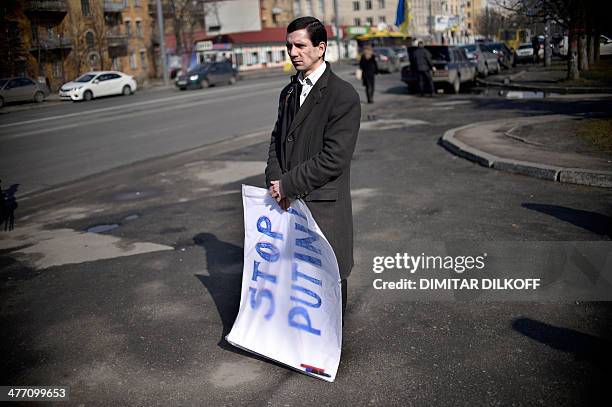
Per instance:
x=599, y=74
x=597, y=132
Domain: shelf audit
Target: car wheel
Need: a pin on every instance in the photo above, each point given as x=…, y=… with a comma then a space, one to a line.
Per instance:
x=232, y=80
x=183, y=88
x=39, y=97
x=456, y=85
x=1, y=102
x=126, y=91
x=87, y=96
x=204, y=83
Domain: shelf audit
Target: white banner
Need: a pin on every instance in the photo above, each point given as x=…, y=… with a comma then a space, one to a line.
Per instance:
x=290, y=307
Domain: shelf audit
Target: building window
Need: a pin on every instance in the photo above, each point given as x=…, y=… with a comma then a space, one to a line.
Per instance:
x=89, y=40
x=469, y=14
x=128, y=28
x=297, y=8
x=139, y=28
x=368, y=5
x=322, y=8
x=468, y=4
x=381, y=3
x=239, y=61
x=469, y=26
x=370, y=21
x=357, y=21
x=57, y=68
x=116, y=64
x=133, y=61
x=85, y=8
x=356, y=6
x=308, y=7
x=136, y=3
x=143, y=60
x=93, y=61
x=382, y=19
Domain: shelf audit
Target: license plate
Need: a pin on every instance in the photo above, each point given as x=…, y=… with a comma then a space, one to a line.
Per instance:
x=181, y=82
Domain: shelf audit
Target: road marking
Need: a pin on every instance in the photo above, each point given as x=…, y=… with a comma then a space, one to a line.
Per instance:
x=143, y=103
x=136, y=114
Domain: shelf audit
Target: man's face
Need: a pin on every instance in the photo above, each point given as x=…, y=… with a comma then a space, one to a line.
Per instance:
x=303, y=54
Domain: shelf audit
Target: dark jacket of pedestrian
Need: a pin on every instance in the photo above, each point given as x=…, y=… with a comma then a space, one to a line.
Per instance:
x=421, y=60
x=368, y=67
x=311, y=155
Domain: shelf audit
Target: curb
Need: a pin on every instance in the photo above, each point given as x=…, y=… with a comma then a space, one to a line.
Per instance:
x=579, y=176
x=544, y=89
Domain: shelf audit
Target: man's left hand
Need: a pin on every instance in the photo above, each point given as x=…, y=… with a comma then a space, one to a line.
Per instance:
x=276, y=191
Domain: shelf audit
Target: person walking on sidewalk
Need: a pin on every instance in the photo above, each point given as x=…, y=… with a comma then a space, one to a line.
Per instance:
x=423, y=66
x=313, y=141
x=369, y=69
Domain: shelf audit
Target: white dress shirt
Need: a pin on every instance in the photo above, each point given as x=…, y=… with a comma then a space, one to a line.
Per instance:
x=309, y=82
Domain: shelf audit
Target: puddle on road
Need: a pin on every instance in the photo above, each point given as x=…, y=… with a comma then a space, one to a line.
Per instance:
x=103, y=228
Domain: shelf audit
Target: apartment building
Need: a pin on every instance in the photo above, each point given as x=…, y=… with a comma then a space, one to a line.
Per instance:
x=56, y=40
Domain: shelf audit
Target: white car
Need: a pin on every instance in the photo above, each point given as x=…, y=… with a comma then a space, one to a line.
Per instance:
x=96, y=84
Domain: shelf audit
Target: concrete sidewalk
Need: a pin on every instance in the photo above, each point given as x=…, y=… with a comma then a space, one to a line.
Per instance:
x=538, y=146
x=542, y=79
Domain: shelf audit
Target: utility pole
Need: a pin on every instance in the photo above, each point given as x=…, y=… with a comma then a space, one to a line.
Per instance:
x=547, y=50
x=162, y=41
x=336, y=28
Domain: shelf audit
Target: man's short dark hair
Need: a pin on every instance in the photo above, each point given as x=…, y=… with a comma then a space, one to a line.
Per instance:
x=315, y=29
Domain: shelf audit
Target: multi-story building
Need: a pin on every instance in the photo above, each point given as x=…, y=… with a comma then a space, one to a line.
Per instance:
x=276, y=13
x=59, y=39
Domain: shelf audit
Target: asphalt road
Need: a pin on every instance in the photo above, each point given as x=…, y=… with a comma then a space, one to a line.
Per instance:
x=137, y=315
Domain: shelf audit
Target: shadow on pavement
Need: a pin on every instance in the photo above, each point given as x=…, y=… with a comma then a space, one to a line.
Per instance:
x=591, y=221
x=595, y=350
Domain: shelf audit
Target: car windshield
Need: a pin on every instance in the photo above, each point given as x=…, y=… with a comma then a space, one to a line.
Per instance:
x=3, y=82
x=525, y=46
x=85, y=78
x=496, y=46
x=382, y=51
x=469, y=48
x=439, y=53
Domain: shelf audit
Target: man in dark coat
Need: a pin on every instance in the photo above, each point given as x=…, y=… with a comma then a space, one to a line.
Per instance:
x=422, y=64
x=314, y=139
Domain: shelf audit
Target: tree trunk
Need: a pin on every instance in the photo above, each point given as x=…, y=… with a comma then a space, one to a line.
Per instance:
x=583, y=60
x=572, y=56
x=547, y=49
x=591, y=47
x=596, y=46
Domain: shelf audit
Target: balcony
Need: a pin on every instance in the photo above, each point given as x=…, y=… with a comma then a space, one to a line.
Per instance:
x=51, y=44
x=116, y=6
x=116, y=40
x=46, y=6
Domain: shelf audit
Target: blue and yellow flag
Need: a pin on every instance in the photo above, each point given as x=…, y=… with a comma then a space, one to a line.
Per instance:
x=402, y=16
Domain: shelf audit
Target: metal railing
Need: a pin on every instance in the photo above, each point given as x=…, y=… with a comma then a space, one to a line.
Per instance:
x=51, y=43
x=115, y=6
x=47, y=6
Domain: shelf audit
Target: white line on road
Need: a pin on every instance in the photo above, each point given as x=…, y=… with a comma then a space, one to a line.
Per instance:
x=143, y=103
x=135, y=114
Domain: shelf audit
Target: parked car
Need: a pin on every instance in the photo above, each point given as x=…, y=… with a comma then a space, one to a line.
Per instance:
x=22, y=89
x=96, y=84
x=453, y=68
x=504, y=53
x=483, y=58
x=205, y=75
x=402, y=53
x=386, y=59
x=524, y=53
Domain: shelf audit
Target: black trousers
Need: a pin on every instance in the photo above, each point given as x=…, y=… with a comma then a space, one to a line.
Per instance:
x=369, y=85
x=425, y=80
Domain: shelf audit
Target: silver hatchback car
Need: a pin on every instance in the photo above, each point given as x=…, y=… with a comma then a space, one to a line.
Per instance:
x=22, y=89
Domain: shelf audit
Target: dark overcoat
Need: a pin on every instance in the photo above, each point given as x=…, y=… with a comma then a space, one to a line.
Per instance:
x=312, y=157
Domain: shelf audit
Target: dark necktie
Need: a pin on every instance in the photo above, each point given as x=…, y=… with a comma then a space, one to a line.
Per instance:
x=294, y=100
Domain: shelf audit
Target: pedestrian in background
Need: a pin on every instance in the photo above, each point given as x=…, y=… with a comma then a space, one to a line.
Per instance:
x=369, y=69
x=423, y=65
x=313, y=141
x=535, y=44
